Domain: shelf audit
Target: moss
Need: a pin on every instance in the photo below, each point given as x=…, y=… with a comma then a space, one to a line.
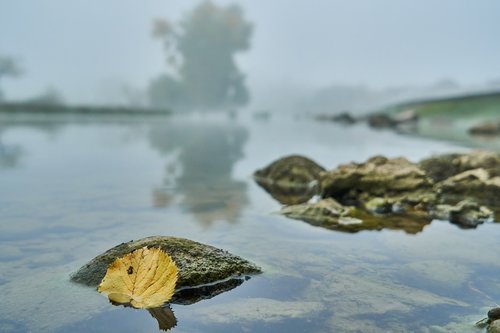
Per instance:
x=291, y=179
x=329, y=214
x=442, y=167
x=476, y=184
x=379, y=176
x=197, y=263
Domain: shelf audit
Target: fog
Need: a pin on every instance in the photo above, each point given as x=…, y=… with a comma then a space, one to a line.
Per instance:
x=318, y=55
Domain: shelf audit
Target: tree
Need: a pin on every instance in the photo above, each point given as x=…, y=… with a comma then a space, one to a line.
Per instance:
x=49, y=97
x=8, y=67
x=200, y=53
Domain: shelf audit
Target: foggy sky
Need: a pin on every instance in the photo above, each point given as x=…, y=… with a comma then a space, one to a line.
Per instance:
x=88, y=48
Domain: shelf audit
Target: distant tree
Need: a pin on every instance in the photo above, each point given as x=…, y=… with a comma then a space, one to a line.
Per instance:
x=49, y=97
x=8, y=67
x=166, y=91
x=200, y=53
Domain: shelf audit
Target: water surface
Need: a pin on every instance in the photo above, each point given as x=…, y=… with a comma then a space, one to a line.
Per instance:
x=71, y=188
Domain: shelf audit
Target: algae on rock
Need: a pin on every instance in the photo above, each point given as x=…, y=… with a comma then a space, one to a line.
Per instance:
x=478, y=184
x=444, y=166
x=198, y=265
x=461, y=188
x=377, y=176
x=329, y=214
x=291, y=179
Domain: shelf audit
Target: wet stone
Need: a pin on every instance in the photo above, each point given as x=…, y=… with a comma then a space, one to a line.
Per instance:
x=467, y=213
x=494, y=314
x=494, y=327
x=205, y=269
x=379, y=177
x=329, y=214
x=461, y=188
x=326, y=212
x=478, y=184
x=290, y=180
x=444, y=166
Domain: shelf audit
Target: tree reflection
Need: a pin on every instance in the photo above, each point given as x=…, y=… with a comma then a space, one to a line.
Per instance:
x=12, y=153
x=200, y=174
x=9, y=154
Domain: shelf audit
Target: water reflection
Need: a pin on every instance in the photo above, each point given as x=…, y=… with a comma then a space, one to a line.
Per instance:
x=199, y=170
x=360, y=221
x=10, y=154
x=315, y=280
x=163, y=315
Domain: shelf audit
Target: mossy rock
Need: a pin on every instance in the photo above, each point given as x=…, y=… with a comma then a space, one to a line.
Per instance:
x=377, y=177
x=329, y=214
x=389, y=193
x=445, y=166
x=466, y=213
x=477, y=184
x=291, y=179
x=206, y=270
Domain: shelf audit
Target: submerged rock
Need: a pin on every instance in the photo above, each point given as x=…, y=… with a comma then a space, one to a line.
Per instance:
x=467, y=214
x=329, y=214
x=290, y=180
x=326, y=212
x=205, y=270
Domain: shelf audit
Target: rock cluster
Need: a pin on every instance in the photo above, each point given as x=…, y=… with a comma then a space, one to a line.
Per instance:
x=384, y=120
x=396, y=193
x=404, y=119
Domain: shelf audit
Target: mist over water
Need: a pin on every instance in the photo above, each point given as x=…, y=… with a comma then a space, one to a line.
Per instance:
x=301, y=57
x=123, y=119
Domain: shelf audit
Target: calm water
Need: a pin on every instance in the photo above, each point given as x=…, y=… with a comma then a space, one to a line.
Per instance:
x=73, y=188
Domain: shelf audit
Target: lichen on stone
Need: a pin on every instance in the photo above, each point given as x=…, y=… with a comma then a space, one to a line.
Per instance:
x=198, y=264
x=291, y=179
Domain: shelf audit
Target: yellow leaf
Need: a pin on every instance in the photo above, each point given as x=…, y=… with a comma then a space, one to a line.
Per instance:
x=145, y=278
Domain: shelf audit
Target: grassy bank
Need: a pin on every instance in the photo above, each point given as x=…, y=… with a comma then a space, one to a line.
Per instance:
x=16, y=108
x=451, y=118
x=480, y=106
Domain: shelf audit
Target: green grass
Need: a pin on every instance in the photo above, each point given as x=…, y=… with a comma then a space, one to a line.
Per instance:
x=483, y=106
x=20, y=107
x=451, y=118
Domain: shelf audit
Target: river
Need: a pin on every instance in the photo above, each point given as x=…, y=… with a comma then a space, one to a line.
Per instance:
x=72, y=187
